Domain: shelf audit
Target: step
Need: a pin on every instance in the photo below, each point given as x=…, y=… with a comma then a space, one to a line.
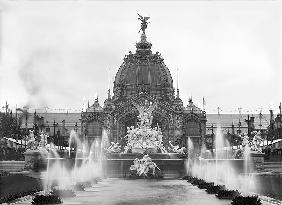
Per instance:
x=12, y=165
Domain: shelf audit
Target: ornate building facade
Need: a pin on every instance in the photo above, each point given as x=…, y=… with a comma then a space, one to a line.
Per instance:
x=143, y=76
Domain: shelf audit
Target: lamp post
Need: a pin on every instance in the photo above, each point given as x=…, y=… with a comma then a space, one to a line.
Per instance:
x=248, y=124
x=17, y=129
x=201, y=140
x=47, y=130
x=25, y=131
x=278, y=127
x=59, y=139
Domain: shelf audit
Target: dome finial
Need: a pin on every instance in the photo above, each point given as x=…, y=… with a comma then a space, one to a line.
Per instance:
x=144, y=22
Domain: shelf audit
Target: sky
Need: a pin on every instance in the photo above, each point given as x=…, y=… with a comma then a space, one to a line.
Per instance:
x=57, y=55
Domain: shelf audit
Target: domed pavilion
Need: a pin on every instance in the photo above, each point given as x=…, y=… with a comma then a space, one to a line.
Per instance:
x=144, y=77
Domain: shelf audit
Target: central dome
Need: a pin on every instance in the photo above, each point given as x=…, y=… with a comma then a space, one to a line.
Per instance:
x=143, y=72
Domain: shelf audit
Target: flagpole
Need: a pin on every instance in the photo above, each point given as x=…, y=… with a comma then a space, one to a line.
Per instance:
x=204, y=104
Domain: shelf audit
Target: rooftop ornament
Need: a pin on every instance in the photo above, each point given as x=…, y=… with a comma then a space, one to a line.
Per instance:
x=144, y=22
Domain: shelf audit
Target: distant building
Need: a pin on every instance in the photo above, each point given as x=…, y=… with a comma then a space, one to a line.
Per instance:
x=275, y=125
x=71, y=121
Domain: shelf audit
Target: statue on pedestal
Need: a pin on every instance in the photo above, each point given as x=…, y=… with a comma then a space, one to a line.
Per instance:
x=144, y=22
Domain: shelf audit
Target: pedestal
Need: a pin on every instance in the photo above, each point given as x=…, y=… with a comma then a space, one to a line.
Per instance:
x=34, y=160
x=257, y=160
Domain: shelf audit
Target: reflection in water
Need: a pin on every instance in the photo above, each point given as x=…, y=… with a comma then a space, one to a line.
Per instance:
x=120, y=191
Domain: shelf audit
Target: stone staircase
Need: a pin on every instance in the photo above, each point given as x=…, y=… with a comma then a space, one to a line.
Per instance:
x=273, y=167
x=12, y=166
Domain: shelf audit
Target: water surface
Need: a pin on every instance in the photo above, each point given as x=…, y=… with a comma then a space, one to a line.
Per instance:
x=138, y=192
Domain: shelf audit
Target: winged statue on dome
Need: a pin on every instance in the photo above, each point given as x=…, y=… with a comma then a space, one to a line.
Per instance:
x=144, y=22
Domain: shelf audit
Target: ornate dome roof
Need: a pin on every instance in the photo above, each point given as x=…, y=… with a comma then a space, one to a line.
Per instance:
x=143, y=68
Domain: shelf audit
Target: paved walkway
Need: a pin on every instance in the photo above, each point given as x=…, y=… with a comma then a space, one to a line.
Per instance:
x=143, y=192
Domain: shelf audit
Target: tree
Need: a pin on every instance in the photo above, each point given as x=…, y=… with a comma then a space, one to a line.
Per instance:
x=8, y=125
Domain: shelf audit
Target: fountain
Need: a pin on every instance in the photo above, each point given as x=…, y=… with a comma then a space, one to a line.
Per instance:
x=86, y=161
x=145, y=167
x=222, y=169
x=36, y=153
x=142, y=140
x=145, y=156
x=65, y=172
x=104, y=159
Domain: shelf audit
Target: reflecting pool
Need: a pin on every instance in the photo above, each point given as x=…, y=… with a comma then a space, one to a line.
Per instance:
x=122, y=191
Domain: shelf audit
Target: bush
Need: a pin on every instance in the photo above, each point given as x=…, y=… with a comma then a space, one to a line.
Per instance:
x=227, y=194
x=205, y=185
x=14, y=196
x=214, y=189
x=246, y=200
x=197, y=181
x=188, y=178
x=192, y=179
x=46, y=199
